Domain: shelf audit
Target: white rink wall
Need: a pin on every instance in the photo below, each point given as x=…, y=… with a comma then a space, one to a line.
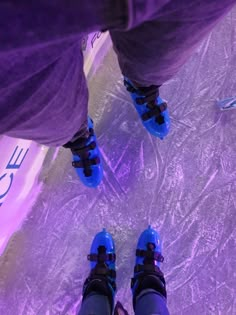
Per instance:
x=20, y=165
x=22, y=160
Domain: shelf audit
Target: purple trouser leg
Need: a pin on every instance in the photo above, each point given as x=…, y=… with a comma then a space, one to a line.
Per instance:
x=48, y=106
x=154, y=51
x=43, y=92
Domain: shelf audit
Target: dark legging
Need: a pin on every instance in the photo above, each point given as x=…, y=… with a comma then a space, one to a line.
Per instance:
x=148, y=302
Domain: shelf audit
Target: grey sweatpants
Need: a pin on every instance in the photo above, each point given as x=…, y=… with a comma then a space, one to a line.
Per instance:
x=43, y=91
x=148, y=303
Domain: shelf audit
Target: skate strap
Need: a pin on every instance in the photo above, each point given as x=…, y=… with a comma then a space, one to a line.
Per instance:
x=149, y=254
x=148, y=268
x=85, y=149
x=79, y=143
x=129, y=87
x=102, y=257
x=149, y=91
x=155, y=112
x=83, y=152
x=86, y=164
x=149, y=96
x=103, y=270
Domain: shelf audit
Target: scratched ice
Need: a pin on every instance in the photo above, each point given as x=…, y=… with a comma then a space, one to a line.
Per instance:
x=185, y=186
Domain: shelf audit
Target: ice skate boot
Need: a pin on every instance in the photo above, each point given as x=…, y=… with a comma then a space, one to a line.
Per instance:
x=102, y=277
x=151, y=108
x=147, y=273
x=227, y=103
x=86, y=158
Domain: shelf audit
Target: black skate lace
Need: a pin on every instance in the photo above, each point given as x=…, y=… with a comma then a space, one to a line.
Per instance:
x=102, y=256
x=148, y=96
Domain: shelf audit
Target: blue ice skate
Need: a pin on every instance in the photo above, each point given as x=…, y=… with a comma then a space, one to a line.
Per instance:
x=102, y=259
x=87, y=158
x=227, y=103
x=147, y=273
x=151, y=108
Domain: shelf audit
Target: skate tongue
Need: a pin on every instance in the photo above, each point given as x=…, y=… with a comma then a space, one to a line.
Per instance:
x=119, y=309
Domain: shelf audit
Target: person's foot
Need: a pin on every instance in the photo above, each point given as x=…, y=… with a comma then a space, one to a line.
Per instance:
x=102, y=277
x=86, y=157
x=151, y=108
x=147, y=273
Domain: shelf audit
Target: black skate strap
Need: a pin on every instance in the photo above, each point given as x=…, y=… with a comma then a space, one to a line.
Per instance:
x=149, y=92
x=149, y=254
x=103, y=270
x=148, y=96
x=82, y=150
x=102, y=257
x=129, y=87
x=155, y=112
x=148, y=269
x=86, y=163
x=80, y=142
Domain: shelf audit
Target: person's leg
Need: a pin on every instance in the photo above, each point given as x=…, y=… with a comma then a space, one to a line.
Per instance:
x=149, y=302
x=162, y=41
x=154, y=51
x=100, y=287
x=86, y=157
x=148, y=284
x=44, y=95
x=50, y=104
x=95, y=304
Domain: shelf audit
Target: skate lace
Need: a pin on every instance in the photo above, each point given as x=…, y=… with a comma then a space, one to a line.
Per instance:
x=148, y=97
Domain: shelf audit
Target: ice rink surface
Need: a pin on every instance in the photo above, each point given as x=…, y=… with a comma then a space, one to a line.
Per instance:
x=185, y=186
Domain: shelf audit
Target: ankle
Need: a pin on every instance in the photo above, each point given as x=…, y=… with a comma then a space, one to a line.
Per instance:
x=142, y=283
x=99, y=286
x=139, y=85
